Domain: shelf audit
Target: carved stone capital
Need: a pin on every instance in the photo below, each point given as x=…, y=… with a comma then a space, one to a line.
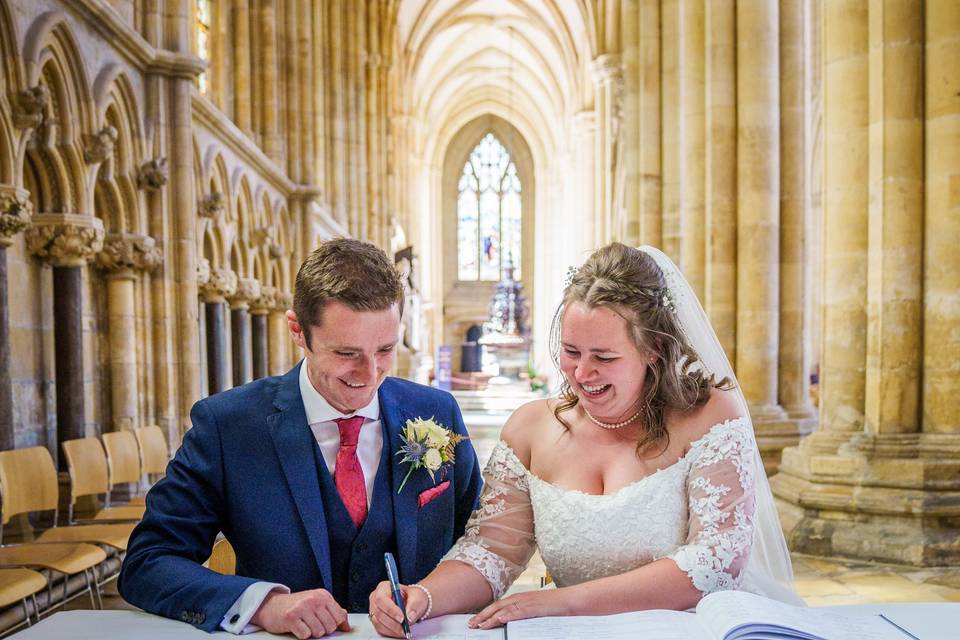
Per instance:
x=65, y=239
x=221, y=284
x=211, y=205
x=15, y=213
x=284, y=301
x=266, y=302
x=126, y=253
x=263, y=237
x=153, y=174
x=203, y=271
x=248, y=290
x=607, y=67
x=29, y=105
x=98, y=147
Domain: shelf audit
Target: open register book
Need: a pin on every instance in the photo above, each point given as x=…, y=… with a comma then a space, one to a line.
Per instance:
x=725, y=615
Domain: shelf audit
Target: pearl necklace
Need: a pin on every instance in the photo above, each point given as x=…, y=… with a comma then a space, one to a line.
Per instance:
x=609, y=425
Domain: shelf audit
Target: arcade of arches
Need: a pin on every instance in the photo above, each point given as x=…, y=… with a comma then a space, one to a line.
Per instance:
x=165, y=165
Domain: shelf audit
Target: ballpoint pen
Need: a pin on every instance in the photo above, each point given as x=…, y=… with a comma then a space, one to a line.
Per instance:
x=395, y=589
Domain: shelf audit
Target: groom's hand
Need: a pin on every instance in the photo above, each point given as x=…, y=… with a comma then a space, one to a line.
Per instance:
x=386, y=615
x=306, y=614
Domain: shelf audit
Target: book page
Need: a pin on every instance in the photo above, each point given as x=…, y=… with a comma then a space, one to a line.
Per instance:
x=732, y=614
x=452, y=627
x=650, y=625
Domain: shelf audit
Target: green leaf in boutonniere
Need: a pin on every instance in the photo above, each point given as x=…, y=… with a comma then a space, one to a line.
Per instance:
x=427, y=445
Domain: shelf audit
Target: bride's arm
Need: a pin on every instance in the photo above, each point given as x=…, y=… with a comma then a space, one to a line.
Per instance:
x=720, y=490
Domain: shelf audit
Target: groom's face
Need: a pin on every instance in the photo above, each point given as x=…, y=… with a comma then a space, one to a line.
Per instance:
x=350, y=352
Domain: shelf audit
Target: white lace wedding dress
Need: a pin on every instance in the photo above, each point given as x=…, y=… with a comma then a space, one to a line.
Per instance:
x=699, y=512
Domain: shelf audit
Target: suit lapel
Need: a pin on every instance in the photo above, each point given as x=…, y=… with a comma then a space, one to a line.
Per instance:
x=405, y=507
x=294, y=443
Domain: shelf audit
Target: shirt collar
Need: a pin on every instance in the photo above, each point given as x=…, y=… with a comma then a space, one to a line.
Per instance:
x=319, y=410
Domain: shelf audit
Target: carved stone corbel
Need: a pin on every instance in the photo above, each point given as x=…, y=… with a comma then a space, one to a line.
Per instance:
x=203, y=271
x=153, y=174
x=123, y=254
x=98, y=147
x=15, y=213
x=29, y=106
x=211, y=205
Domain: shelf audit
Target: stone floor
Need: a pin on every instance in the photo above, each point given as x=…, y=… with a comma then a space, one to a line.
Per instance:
x=819, y=581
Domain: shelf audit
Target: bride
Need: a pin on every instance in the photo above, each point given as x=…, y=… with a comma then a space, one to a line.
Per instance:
x=641, y=485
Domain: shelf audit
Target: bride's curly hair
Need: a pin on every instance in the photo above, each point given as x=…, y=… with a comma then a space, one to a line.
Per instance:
x=629, y=282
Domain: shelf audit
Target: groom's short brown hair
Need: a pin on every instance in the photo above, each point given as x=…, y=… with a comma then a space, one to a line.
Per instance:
x=356, y=273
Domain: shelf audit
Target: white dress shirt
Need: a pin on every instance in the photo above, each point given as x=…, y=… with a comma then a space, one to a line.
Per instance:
x=322, y=420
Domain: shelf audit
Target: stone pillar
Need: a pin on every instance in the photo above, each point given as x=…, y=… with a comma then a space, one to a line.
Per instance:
x=260, y=310
x=649, y=119
x=794, y=272
x=68, y=242
x=941, y=349
x=248, y=289
x=758, y=206
x=222, y=283
x=279, y=351
x=122, y=257
x=720, y=218
x=692, y=142
x=608, y=88
x=587, y=237
x=15, y=210
x=241, y=66
x=669, y=150
x=269, y=88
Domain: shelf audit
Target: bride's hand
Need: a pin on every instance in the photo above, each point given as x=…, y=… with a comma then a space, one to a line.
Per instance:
x=385, y=614
x=529, y=604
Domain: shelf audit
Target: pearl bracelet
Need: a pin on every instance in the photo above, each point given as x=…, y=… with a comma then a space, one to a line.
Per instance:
x=426, y=614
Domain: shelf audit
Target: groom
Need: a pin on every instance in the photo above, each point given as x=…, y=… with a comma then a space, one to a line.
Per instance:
x=301, y=472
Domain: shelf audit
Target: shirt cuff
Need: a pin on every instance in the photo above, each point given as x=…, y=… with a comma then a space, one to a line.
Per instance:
x=237, y=618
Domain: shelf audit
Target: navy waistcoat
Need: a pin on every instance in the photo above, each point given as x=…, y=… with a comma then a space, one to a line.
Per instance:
x=356, y=556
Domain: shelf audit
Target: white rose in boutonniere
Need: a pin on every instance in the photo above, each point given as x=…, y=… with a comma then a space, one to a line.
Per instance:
x=427, y=445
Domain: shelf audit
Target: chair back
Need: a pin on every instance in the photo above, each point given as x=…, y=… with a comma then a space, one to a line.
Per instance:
x=153, y=449
x=123, y=457
x=87, y=465
x=28, y=482
x=223, y=559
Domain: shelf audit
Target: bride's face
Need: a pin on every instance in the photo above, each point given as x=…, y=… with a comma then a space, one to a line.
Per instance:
x=601, y=362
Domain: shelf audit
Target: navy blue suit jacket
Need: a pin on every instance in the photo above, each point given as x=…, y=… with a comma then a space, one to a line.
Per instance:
x=247, y=468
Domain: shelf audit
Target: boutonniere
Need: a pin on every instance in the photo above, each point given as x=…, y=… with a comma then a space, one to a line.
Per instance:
x=427, y=445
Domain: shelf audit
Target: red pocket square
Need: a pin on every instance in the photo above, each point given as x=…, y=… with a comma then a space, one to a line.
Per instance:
x=431, y=493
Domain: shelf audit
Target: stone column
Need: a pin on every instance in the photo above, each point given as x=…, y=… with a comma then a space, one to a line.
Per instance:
x=607, y=73
x=269, y=88
x=248, y=289
x=720, y=219
x=241, y=66
x=123, y=257
x=692, y=142
x=260, y=311
x=758, y=206
x=941, y=317
x=15, y=210
x=222, y=283
x=68, y=242
x=794, y=272
x=279, y=351
x=670, y=232
x=649, y=120
x=587, y=236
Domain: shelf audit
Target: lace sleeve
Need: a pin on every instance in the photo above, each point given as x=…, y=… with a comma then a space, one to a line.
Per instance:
x=721, y=503
x=499, y=537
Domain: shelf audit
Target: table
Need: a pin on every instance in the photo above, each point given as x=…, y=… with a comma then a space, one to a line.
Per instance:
x=926, y=621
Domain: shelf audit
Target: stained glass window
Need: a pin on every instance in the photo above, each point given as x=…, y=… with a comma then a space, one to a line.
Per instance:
x=488, y=213
x=203, y=38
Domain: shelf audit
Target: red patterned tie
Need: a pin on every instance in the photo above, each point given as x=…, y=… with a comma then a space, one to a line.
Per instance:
x=347, y=474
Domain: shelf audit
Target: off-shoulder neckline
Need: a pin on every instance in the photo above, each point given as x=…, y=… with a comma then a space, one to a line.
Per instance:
x=694, y=445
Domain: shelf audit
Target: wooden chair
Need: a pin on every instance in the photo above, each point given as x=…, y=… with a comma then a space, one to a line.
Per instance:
x=22, y=487
x=222, y=558
x=28, y=483
x=87, y=464
x=123, y=462
x=16, y=585
x=153, y=450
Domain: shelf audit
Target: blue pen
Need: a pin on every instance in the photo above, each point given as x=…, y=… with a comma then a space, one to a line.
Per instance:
x=395, y=588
